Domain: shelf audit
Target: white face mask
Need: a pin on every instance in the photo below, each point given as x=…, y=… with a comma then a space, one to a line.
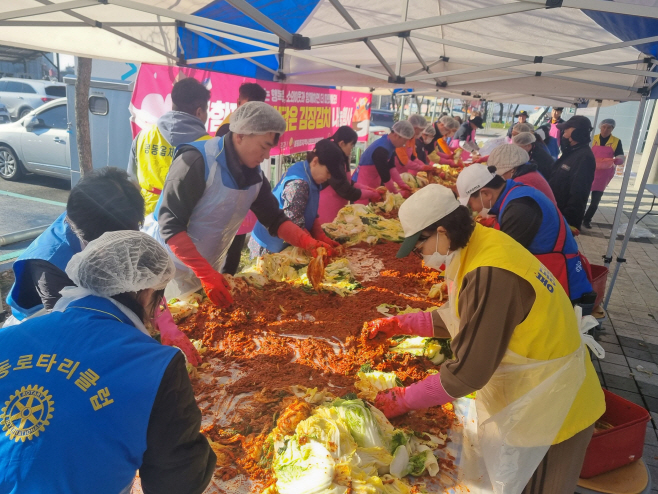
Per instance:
x=436, y=260
x=484, y=212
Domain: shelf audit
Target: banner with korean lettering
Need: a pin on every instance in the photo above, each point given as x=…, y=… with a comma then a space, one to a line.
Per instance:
x=311, y=113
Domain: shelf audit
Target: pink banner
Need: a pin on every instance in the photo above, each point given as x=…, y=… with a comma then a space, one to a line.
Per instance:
x=311, y=113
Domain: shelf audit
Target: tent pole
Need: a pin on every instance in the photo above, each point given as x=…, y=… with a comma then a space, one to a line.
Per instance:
x=434, y=109
x=624, y=186
x=631, y=220
x=596, y=118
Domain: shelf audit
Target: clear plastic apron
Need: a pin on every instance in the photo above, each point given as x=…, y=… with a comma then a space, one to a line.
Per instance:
x=213, y=224
x=522, y=408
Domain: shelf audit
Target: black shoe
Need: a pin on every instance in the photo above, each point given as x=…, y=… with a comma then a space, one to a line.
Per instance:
x=587, y=224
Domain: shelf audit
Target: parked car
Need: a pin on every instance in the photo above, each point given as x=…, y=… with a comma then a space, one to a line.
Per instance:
x=21, y=96
x=36, y=143
x=4, y=114
x=381, y=122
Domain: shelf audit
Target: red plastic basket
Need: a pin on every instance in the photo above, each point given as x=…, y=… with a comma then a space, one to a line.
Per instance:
x=599, y=278
x=621, y=445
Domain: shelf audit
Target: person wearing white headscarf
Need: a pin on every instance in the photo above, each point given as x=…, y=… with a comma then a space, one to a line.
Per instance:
x=90, y=397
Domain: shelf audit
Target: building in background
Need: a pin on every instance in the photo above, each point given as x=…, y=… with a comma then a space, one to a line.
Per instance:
x=30, y=64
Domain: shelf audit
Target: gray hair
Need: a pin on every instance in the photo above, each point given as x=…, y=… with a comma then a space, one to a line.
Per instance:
x=449, y=122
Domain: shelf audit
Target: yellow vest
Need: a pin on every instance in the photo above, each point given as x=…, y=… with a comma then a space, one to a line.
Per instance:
x=612, y=141
x=550, y=331
x=154, y=155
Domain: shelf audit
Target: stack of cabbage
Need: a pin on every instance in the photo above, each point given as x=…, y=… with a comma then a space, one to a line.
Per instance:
x=346, y=445
x=417, y=182
x=290, y=266
x=357, y=223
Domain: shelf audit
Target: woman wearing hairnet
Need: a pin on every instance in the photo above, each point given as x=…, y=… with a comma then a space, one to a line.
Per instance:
x=210, y=187
x=298, y=195
x=609, y=153
x=530, y=218
x=536, y=148
x=513, y=163
x=377, y=163
x=407, y=158
x=89, y=397
x=538, y=395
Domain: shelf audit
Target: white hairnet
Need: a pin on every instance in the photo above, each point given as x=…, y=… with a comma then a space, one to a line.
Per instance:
x=418, y=121
x=257, y=117
x=403, y=129
x=121, y=262
x=524, y=138
x=523, y=127
x=449, y=122
x=429, y=130
x=608, y=121
x=507, y=157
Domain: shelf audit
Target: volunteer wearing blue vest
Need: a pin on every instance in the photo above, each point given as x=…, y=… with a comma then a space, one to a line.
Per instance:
x=377, y=163
x=298, y=195
x=89, y=397
x=210, y=187
x=530, y=218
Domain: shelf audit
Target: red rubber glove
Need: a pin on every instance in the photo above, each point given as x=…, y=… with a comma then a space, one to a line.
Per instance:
x=170, y=335
x=424, y=394
x=416, y=323
x=574, y=231
x=371, y=195
x=481, y=159
x=428, y=168
x=318, y=234
x=405, y=193
x=390, y=186
x=216, y=287
x=448, y=162
x=292, y=234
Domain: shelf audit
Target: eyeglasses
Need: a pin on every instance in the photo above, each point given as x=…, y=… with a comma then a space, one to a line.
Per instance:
x=419, y=246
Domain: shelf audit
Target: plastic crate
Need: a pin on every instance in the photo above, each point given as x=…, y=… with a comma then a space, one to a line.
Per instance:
x=621, y=445
x=599, y=278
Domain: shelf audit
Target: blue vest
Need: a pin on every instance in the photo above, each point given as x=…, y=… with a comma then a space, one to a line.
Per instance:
x=553, y=147
x=57, y=245
x=298, y=171
x=77, y=424
x=554, y=238
x=366, y=157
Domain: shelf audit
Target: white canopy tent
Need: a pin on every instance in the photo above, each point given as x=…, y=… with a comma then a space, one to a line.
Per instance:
x=530, y=51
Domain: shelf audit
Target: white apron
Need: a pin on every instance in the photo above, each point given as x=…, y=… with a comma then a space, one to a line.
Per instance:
x=214, y=221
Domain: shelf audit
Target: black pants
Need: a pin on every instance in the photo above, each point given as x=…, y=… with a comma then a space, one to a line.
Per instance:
x=593, y=205
x=233, y=255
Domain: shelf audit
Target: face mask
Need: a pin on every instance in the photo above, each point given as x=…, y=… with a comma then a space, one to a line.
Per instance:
x=565, y=144
x=484, y=212
x=437, y=260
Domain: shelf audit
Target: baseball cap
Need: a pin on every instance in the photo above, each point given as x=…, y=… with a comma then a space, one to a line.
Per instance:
x=522, y=113
x=506, y=157
x=424, y=208
x=576, y=122
x=477, y=121
x=472, y=179
x=558, y=108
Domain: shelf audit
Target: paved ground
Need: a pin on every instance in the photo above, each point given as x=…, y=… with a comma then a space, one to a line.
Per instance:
x=630, y=333
x=33, y=202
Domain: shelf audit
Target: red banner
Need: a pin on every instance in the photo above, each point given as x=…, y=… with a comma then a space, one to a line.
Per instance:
x=311, y=113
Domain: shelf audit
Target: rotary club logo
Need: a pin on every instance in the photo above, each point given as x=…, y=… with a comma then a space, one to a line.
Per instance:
x=26, y=413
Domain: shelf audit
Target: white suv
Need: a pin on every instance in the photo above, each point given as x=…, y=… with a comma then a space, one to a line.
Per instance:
x=21, y=96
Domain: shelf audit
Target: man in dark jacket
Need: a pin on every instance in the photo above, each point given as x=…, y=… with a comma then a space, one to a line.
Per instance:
x=466, y=131
x=573, y=172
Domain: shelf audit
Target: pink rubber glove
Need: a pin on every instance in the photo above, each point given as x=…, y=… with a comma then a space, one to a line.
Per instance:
x=619, y=160
x=448, y=162
x=390, y=186
x=170, y=335
x=481, y=159
x=395, y=176
x=424, y=394
x=371, y=195
x=416, y=323
x=405, y=193
x=428, y=168
x=416, y=165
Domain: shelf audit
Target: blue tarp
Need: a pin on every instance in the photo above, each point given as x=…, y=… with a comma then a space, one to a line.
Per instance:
x=289, y=14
